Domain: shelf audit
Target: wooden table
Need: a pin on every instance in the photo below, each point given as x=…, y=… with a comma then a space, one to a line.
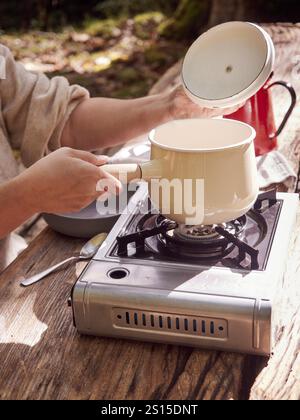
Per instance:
x=42, y=356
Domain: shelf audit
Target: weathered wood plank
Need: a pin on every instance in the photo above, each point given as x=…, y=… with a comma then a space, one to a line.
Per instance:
x=42, y=356
x=280, y=380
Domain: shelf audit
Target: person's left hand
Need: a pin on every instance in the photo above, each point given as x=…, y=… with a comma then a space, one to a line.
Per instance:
x=182, y=107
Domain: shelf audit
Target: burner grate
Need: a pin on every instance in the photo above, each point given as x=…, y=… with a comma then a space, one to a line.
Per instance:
x=269, y=196
x=242, y=244
x=139, y=237
x=243, y=248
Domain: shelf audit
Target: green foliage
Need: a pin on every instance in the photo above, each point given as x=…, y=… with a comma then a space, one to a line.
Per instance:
x=187, y=21
x=105, y=28
x=136, y=90
x=128, y=75
x=146, y=24
x=53, y=14
x=108, y=8
x=155, y=57
x=186, y=16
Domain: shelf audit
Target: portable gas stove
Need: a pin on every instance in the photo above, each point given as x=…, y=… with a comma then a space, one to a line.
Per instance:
x=202, y=286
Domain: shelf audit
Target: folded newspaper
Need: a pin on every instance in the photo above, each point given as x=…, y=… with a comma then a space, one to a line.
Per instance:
x=273, y=168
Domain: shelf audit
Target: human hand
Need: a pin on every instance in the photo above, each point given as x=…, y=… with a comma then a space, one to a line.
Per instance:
x=65, y=181
x=182, y=107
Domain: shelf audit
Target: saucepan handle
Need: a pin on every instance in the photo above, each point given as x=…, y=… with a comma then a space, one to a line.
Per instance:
x=293, y=94
x=128, y=171
x=134, y=171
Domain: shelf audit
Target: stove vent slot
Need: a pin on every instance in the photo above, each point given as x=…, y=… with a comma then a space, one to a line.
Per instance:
x=170, y=323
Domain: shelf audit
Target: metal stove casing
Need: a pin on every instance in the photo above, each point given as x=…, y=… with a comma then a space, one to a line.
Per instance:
x=191, y=305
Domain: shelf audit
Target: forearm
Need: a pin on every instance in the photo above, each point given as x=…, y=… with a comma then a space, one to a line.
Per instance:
x=15, y=205
x=100, y=122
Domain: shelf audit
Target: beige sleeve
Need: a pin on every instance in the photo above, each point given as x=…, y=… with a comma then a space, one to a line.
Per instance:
x=35, y=108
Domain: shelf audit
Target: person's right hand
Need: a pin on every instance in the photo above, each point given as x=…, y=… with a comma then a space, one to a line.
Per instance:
x=65, y=181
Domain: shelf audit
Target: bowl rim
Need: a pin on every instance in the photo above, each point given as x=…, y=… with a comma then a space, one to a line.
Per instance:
x=247, y=141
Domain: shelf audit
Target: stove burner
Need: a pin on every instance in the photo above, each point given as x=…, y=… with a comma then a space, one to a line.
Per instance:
x=197, y=233
x=201, y=242
x=239, y=244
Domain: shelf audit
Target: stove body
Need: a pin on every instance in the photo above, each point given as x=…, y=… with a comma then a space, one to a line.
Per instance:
x=139, y=291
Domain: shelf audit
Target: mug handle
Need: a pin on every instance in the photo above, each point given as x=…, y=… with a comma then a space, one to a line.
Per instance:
x=293, y=94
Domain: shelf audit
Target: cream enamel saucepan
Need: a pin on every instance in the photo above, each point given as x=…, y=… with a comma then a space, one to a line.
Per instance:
x=201, y=172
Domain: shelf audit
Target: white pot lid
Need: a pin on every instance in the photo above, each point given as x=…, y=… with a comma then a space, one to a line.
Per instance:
x=228, y=64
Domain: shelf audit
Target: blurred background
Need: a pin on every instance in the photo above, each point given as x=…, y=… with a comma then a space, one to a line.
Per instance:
x=120, y=48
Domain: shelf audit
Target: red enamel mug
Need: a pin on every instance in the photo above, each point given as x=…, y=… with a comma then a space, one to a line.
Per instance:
x=258, y=112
